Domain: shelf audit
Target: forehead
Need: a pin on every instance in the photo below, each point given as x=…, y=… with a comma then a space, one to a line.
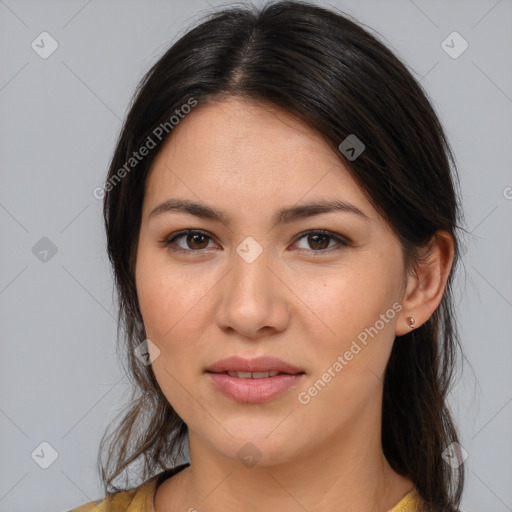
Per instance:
x=236, y=151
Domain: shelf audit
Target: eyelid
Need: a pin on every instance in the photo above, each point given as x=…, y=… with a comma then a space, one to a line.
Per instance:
x=170, y=239
x=340, y=239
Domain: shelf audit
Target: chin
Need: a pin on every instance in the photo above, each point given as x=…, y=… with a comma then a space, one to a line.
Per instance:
x=254, y=446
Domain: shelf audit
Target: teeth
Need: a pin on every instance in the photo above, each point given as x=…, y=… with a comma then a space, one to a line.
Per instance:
x=252, y=375
x=241, y=375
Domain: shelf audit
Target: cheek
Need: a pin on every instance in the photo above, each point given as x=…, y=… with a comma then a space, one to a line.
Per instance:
x=176, y=309
x=172, y=311
x=350, y=360
x=355, y=314
x=349, y=300
x=169, y=299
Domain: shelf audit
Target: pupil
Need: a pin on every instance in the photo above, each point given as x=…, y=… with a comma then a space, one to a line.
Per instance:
x=323, y=246
x=194, y=237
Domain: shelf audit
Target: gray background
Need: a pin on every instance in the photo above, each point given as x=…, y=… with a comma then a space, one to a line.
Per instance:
x=60, y=116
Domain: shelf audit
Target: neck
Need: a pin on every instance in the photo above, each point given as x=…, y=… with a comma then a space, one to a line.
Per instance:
x=350, y=473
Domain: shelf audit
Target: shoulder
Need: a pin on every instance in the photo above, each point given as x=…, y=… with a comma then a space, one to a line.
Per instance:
x=410, y=503
x=132, y=500
x=139, y=499
x=92, y=506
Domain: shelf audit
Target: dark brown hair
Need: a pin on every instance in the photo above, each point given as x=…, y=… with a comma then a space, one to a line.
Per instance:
x=325, y=69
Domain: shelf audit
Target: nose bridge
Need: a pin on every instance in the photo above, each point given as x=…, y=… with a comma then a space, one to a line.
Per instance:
x=251, y=273
x=251, y=298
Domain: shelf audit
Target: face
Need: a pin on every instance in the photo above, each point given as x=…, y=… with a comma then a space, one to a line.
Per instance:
x=318, y=289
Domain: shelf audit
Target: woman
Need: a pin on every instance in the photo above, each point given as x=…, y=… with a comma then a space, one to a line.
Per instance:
x=281, y=219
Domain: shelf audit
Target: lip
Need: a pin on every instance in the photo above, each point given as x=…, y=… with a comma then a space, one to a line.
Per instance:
x=254, y=391
x=258, y=364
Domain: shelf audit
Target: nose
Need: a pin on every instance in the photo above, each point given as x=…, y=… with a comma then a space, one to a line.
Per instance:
x=253, y=299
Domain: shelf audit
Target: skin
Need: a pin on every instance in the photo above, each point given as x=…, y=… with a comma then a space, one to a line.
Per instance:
x=303, y=299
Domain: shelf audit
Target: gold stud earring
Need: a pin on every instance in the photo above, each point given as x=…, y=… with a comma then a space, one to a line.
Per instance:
x=411, y=321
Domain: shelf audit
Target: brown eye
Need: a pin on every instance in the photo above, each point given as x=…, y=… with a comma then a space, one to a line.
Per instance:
x=194, y=241
x=319, y=241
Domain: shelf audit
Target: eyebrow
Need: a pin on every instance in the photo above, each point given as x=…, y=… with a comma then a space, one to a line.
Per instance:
x=283, y=216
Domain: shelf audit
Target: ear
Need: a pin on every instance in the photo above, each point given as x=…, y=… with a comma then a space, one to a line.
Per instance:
x=425, y=285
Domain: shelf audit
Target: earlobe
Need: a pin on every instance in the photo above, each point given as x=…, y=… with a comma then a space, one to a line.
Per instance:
x=426, y=285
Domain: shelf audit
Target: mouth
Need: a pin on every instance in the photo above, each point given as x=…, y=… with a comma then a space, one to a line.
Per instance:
x=254, y=387
x=257, y=380
x=258, y=368
x=254, y=375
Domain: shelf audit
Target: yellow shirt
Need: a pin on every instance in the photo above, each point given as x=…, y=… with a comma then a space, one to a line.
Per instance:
x=141, y=498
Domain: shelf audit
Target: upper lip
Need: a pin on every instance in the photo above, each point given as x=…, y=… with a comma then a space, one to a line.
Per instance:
x=258, y=364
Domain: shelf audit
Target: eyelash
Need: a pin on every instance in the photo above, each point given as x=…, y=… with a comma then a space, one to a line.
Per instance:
x=170, y=240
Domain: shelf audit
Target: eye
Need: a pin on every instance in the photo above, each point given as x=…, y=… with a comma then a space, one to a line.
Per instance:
x=318, y=240
x=194, y=239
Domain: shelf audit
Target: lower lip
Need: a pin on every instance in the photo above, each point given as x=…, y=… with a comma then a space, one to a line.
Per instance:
x=254, y=391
